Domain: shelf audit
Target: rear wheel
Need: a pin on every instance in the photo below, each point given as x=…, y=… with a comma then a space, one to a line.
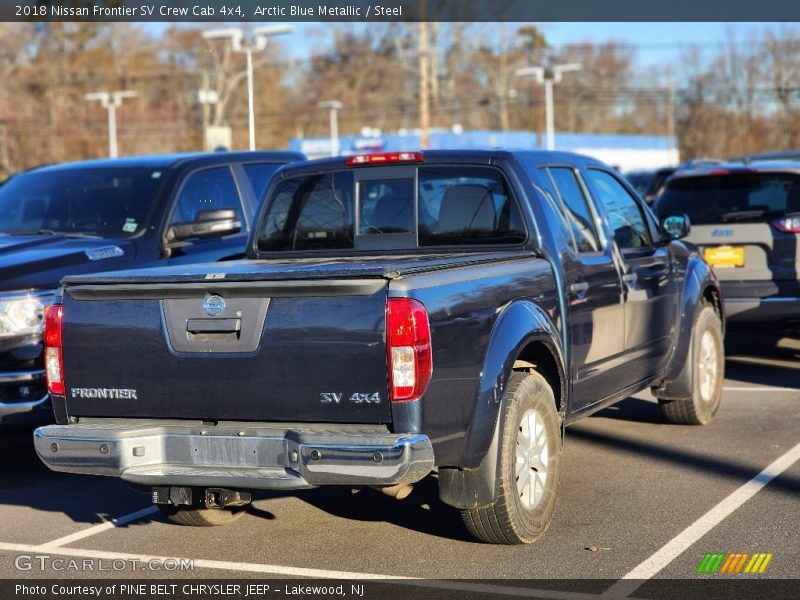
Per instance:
x=709, y=368
x=198, y=515
x=528, y=469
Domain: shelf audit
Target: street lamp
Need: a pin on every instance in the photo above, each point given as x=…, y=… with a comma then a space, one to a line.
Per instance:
x=548, y=75
x=334, y=106
x=258, y=43
x=111, y=101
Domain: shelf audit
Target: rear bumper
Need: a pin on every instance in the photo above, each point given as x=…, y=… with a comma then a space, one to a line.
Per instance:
x=23, y=410
x=34, y=412
x=773, y=310
x=762, y=301
x=245, y=456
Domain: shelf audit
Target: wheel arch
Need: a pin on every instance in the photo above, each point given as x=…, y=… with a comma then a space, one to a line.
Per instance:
x=700, y=286
x=523, y=338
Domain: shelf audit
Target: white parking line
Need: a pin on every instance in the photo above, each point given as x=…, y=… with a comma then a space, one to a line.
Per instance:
x=202, y=563
x=118, y=522
x=760, y=389
x=681, y=542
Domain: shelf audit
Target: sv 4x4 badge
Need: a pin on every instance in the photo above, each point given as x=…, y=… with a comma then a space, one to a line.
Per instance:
x=356, y=398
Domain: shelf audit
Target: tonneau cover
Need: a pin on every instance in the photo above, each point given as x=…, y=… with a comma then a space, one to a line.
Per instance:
x=360, y=267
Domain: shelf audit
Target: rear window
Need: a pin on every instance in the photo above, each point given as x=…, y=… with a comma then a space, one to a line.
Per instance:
x=428, y=206
x=310, y=213
x=466, y=206
x=731, y=197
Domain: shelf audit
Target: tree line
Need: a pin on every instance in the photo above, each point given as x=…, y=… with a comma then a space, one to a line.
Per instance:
x=738, y=97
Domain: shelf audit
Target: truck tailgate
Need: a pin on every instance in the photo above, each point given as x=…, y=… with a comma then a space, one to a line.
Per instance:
x=299, y=351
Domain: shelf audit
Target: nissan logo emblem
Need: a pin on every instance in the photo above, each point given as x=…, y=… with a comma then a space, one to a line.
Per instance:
x=214, y=305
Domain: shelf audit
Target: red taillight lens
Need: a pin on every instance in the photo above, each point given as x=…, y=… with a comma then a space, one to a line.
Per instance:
x=408, y=346
x=787, y=224
x=53, y=356
x=384, y=158
x=732, y=171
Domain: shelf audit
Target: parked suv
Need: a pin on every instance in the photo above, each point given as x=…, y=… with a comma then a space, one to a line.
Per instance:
x=649, y=182
x=746, y=221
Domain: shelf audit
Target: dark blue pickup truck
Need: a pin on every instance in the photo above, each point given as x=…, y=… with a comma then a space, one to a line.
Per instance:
x=100, y=215
x=397, y=314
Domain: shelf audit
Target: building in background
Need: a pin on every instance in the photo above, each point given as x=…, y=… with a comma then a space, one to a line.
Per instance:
x=626, y=152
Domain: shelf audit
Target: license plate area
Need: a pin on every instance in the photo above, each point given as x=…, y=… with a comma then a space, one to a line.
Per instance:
x=725, y=256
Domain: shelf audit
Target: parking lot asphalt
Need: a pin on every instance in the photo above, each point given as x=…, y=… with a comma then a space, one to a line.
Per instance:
x=638, y=497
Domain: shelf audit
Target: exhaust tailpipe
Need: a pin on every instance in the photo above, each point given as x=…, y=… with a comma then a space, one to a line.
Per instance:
x=398, y=492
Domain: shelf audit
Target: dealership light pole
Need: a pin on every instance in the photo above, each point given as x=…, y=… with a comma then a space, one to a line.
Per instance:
x=258, y=43
x=334, y=106
x=548, y=75
x=111, y=102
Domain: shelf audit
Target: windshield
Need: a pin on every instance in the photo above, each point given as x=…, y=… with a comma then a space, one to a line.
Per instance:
x=732, y=197
x=107, y=202
x=450, y=206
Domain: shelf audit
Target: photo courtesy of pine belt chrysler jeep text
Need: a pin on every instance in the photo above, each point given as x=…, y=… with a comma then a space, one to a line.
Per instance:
x=397, y=314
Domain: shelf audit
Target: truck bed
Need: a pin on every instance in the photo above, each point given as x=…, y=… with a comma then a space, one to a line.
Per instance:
x=292, y=340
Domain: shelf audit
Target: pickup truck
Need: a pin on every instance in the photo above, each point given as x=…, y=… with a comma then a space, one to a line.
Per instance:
x=110, y=214
x=397, y=315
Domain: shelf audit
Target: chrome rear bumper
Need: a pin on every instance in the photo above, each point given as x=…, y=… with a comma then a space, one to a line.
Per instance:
x=230, y=455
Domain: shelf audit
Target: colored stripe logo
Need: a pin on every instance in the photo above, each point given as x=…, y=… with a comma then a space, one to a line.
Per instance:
x=734, y=563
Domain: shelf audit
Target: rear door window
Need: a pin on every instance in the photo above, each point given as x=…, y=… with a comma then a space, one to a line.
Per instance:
x=577, y=212
x=731, y=197
x=545, y=185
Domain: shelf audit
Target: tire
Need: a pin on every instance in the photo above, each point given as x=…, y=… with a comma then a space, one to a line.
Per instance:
x=520, y=514
x=200, y=516
x=708, y=373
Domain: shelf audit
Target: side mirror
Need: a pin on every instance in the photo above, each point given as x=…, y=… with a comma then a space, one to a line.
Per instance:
x=208, y=224
x=675, y=227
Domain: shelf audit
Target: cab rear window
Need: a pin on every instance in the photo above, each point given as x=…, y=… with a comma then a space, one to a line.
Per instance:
x=427, y=206
x=731, y=197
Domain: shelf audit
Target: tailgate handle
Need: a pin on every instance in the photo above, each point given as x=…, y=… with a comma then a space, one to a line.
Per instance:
x=213, y=325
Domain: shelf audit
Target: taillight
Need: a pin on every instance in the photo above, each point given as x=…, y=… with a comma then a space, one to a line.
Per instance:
x=787, y=224
x=53, y=356
x=734, y=171
x=385, y=158
x=408, y=346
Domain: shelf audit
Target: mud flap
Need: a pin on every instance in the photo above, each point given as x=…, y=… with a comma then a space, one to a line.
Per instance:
x=472, y=488
x=682, y=387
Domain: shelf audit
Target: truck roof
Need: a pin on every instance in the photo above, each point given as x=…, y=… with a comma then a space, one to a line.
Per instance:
x=478, y=156
x=163, y=161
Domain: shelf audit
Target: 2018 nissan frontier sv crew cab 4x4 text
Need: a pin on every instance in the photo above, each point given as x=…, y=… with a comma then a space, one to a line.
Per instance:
x=397, y=314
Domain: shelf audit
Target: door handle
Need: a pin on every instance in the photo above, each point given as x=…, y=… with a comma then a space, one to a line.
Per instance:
x=579, y=288
x=219, y=326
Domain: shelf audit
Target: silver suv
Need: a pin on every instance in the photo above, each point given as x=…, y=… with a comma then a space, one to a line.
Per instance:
x=745, y=219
